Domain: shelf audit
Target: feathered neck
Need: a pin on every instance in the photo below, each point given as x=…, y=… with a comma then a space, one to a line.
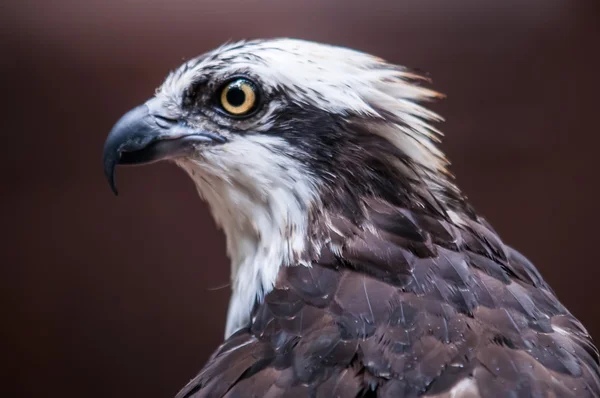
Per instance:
x=289, y=217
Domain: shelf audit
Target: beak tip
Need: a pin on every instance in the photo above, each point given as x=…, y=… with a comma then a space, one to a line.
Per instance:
x=109, y=173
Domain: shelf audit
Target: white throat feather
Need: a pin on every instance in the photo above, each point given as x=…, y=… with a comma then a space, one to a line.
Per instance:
x=265, y=218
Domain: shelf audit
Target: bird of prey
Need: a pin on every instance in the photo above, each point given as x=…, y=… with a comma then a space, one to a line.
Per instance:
x=358, y=267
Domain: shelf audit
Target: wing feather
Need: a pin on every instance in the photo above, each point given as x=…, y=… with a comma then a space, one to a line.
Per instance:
x=411, y=306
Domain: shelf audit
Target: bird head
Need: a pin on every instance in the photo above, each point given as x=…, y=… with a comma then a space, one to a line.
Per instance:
x=278, y=135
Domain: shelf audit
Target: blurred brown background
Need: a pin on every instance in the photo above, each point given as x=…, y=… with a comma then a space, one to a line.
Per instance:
x=118, y=297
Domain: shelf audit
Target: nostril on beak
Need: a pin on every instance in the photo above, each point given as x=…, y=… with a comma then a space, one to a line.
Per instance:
x=164, y=121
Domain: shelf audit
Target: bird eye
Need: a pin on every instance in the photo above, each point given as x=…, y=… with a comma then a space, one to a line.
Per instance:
x=239, y=97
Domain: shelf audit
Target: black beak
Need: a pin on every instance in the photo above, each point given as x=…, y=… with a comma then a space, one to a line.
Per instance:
x=141, y=137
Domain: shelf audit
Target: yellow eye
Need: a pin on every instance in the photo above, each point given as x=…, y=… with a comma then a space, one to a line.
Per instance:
x=239, y=97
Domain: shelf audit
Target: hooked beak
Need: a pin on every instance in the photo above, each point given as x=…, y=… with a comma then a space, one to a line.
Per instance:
x=141, y=137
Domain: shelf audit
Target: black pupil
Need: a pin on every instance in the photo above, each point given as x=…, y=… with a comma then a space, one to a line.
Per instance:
x=236, y=96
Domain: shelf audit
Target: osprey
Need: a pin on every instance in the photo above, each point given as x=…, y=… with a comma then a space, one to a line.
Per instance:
x=358, y=268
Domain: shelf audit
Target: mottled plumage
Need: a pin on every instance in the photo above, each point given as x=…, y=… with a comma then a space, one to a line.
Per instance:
x=408, y=312
x=359, y=269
